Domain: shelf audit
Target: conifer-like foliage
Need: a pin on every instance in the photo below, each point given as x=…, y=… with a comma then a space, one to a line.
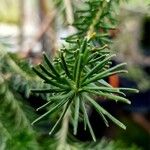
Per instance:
x=15, y=129
x=77, y=73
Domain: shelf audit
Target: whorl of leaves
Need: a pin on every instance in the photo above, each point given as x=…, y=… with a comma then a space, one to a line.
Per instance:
x=78, y=73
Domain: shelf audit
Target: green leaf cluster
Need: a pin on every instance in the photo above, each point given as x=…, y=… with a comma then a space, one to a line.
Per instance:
x=77, y=74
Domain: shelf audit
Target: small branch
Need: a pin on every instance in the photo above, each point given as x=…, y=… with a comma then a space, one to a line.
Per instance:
x=90, y=31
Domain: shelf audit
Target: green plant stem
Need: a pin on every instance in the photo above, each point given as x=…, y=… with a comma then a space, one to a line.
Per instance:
x=90, y=31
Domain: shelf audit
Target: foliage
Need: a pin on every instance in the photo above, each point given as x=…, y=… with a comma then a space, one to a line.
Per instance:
x=77, y=74
x=99, y=145
x=73, y=79
x=15, y=125
x=112, y=145
x=15, y=112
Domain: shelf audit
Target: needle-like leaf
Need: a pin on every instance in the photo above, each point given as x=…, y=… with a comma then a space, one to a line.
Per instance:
x=61, y=116
x=98, y=67
x=50, y=64
x=48, y=80
x=87, y=120
x=80, y=68
x=64, y=65
x=102, y=110
x=76, y=114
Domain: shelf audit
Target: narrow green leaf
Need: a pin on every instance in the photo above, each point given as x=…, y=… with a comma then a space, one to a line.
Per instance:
x=61, y=116
x=43, y=106
x=111, y=96
x=47, y=72
x=97, y=59
x=102, y=110
x=103, y=89
x=75, y=66
x=107, y=89
x=87, y=120
x=76, y=114
x=52, y=90
x=85, y=57
x=84, y=120
x=65, y=67
x=84, y=46
x=56, y=107
x=108, y=72
x=101, y=48
x=47, y=80
x=103, y=82
x=130, y=90
x=106, y=26
x=113, y=72
x=99, y=66
x=104, y=119
x=78, y=70
x=102, y=75
x=92, y=56
x=55, y=99
x=117, y=67
x=50, y=65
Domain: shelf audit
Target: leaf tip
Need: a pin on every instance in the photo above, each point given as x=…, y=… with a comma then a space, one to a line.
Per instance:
x=129, y=102
x=94, y=139
x=32, y=123
x=75, y=132
x=124, y=127
x=137, y=91
x=50, y=133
